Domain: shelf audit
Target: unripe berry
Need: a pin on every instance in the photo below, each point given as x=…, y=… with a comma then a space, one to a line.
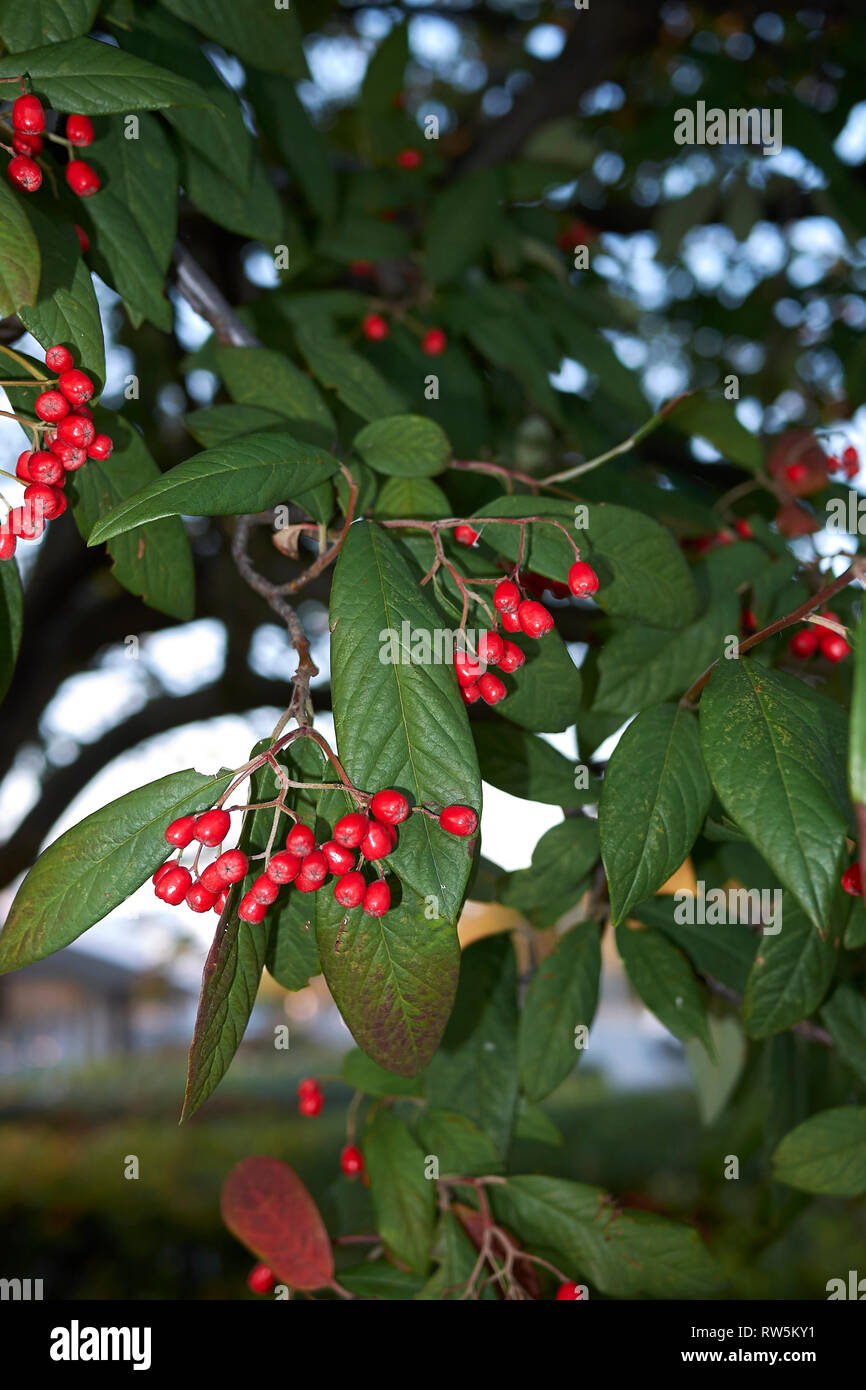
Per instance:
x=434, y=342
x=375, y=328
x=25, y=173
x=45, y=467
x=833, y=646
x=212, y=827
x=311, y=1103
x=51, y=406
x=568, y=1291
x=389, y=806
x=232, y=866
x=314, y=867
x=511, y=657
x=51, y=502
x=101, y=448
x=77, y=430
x=470, y=694
x=199, y=898
x=350, y=889
x=339, y=859
x=804, y=643
x=264, y=890
x=82, y=178
x=251, y=911
x=409, y=159
x=377, y=842
x=582, y=579
x=852, y=881
x=76, y=386
x=173, y=887
x=300, y=840
x=458, y=820
x=79, y=130
x=351, y=1161
x=283, y=867
x=377, y=899
x=59, y=358
x=261, y=1279
x=351, y=829
x=28, y=115
x=490, y=648
x=213, y=879
x=506, y=596
x=464, y=535
x=535, y=620
x=492, y=689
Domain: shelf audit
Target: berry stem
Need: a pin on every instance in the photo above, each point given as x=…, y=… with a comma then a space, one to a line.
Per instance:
x=22, y=361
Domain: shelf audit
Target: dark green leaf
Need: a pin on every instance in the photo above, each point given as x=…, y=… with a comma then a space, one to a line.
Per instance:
x=19, y=255
x=301, y=146
x=724, y=951
x=412, y=497
x=458, y=1144
x=217, y=424
x=404, y=1198
x=561, y=997
x=361, y=1072
x=10, y=622
x=844, y=1015
x=663, y=978
x=826, y=1154
x=357, y=384
x=262, y=35
x=524, y=765
x=45, y=21
x=268, y=380
x=790, y=976
x=640, y=666
x=404, y=446
x=545, y=692
x=66, y=310
x=561, y=861
x=716, y=421
x=97, y=78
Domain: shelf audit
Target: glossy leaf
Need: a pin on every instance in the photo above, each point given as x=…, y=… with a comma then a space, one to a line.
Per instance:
x=790, y=976
x=404, y=1199
x=404, y=446
x=19, y=255
x=66, y=310
x=268, y=380
x=524, y=765
x=96, y=78
x=356, y=382
x=264, y=1203
x=562, y=996
x=217, y=424
x=640, y=666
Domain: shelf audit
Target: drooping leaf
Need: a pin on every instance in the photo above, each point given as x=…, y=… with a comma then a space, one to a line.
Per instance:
x=790, y=975
x=640, y=666
x=263, y=35
x=562, y=996
x=66, y=310
x=96, y=78
x=524, y=765
x=45, y=21
x=561, y=863
x=404, y=1198
x=265, y=1204
x=19, y=255
x=662, y=977
x=725, y=952
x=826, y=1154
x=844, y=1015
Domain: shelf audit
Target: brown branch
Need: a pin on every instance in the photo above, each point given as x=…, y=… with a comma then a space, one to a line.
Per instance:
x=202, y=295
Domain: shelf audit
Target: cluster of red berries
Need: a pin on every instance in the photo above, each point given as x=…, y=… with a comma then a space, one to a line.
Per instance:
x=70, y=439
x=813, y=637
x=376, y=328
x=28, y=125
x=302, y=863
x=849, y=463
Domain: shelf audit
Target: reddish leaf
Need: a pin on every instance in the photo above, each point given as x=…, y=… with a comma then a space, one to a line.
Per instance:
x=265, y=1204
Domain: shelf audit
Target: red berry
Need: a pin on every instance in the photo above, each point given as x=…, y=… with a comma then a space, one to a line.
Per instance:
x=283, y=867
x=261, y=1279
x=212, y=827
x=220, y=901
x=82, y=179
x=25, y=173
x=27, y=115
x=377, y=899
x=309, y=1086
x=350, y=889
x=804, y=643
x=311, y=1103
x=79, y=130
x=232, y=866
x=361, y=269
x=27, y=522
x=464, y=535
x=173, y=886
x=377, y=842
x=76, y=386
x=492, y=689
x=409, y=159
x=351, y=1161
x=101, y=448
x=27, y=144
x=22, y=467
x=743, y=529
x=300, y=840
x=434, y=342
x=506, y=596
x=47, y=499
x=851, y=880
x=199, y=898
x=44, y=467
x=466, y=668
x=213, y=879
x=75, y=429
x=51, y=406
x=458, y=820
x=833, y=646
x=69, y=454
x=389, y=806
x=59, y=358
x=748, y=620
x=350, y=830
x=510, y=622
x=163, y=869
x=339, y=859
x=251, y=911
x=569, y=1291
x=264, y=890
x=511, y=657
x=470, y=694
x=535, y=620
x=314, y=867
x=490, y=648
x=308, y=885
x=797, y=472
x=582, y=579
x=375, y=328
x=83, y=238
x=8, y=541
x=850, y=458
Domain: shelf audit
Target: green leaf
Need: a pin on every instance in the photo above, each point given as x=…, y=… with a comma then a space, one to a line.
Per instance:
x=98, y=864
x=268, y=380
x=292, y=956
x=532, y=1124
x=217, y=424
x=562, y=995
x=253, y=210
x=640, y=666
x=716, y=1078
x=413, y=497
x=461, y=225
x=561, y=862
x=262, y=35
x=95, y=78
x=475, y=1068
x=379, y=1279
x=790, y=976
x=404, y=446
x=361, y=1072
x=301, y=146
x=725, y=952
x=357, y=383
x=662, y=977
x=778, y=773
x=45, y=21
x=857, y=741
x=716, y=421
x=524, y=765
x=19, y=255
x=11, y=600
x=654, y=798
x=456, y=1258
x=403, y=1197
x=156, y=561
x=626, y=1254
x=458, y=1144
x=66, y=310
x=826, y=1154
x=545, y=692
x=249, y=474
x=844, y=1015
